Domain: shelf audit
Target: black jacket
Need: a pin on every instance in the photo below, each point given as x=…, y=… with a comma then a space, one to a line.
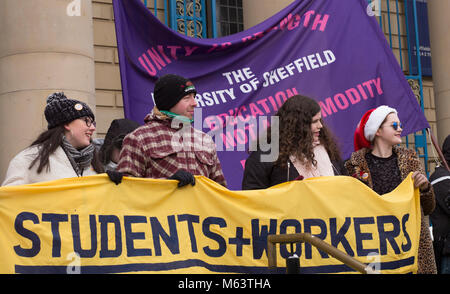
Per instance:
x=440, y=218
x=262, y=175
x=440, y=179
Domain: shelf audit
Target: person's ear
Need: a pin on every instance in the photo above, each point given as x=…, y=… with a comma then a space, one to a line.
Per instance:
x=378, y=133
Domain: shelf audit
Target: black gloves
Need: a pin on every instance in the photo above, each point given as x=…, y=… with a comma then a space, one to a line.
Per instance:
x=115, y=176
x=183, y=178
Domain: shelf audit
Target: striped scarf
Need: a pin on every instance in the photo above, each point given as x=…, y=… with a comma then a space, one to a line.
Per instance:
x=80, y=159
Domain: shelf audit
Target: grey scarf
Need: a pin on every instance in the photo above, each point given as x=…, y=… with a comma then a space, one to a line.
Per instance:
x=80, y=159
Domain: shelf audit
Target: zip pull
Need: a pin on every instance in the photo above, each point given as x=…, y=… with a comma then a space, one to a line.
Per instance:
x=288, y=168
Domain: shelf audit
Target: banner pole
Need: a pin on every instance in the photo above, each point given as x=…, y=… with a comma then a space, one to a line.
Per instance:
x=307, y=237
x=439, y=151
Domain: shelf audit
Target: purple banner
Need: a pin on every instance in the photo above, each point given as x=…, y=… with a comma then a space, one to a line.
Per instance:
x=332, y=51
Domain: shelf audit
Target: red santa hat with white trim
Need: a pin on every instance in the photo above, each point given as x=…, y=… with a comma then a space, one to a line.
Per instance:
x=369, y=124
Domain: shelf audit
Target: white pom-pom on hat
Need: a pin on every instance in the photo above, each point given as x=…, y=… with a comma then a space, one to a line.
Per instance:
x=369, y=124
x=375, y=120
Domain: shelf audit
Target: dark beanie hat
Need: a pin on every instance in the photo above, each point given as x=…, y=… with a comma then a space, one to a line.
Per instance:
x=169, y=89
x=117, y=131
x=61, y=110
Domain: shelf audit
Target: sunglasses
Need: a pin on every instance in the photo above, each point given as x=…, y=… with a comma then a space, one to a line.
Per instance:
x=395, y=125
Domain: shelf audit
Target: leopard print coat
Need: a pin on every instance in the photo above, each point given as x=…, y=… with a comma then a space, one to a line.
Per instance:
x=408, y=161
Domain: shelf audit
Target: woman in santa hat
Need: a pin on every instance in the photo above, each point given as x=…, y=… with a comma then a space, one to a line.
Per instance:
x=381, y=164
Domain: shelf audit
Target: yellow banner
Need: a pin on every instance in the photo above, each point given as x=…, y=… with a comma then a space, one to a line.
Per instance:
x=90, y=225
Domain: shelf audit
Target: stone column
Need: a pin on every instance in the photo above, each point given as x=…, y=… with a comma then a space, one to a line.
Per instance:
x=256, y=11
x=439, y=25
x=45, y=46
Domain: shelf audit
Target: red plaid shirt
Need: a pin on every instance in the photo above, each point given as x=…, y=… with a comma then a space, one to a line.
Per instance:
x=157, y=150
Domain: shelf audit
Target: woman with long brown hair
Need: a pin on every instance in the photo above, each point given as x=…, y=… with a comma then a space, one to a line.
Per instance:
x=307, y=148
x=64, y=150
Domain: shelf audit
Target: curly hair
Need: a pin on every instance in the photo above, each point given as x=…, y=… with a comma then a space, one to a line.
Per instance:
x=295, y=136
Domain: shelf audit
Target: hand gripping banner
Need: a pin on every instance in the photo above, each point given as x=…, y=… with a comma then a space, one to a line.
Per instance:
x=90, y=225
x=331, y=51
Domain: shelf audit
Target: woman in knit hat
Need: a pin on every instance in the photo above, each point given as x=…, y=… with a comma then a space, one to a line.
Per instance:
x=381, y=164
x=64, y=150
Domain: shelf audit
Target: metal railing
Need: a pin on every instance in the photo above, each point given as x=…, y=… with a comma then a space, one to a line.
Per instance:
x=413, y=55
x=272, y=240
x=189, y=15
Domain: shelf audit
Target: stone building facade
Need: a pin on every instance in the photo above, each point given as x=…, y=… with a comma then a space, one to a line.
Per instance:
x=70, y=46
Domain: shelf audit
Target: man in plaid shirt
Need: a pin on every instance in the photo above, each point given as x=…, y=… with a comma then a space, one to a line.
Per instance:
x=167, y=146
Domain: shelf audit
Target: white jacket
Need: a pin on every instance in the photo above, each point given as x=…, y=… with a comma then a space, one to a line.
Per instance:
x=60, y=167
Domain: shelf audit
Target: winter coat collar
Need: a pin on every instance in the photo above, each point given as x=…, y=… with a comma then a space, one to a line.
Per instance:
x=362, y=172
